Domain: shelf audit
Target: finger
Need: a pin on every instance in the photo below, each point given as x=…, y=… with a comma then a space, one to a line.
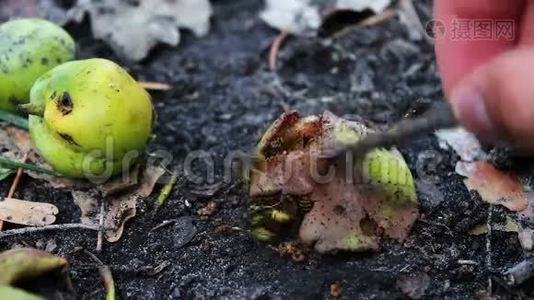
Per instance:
x=458, y=57
x=527, y=25
x=497, y=100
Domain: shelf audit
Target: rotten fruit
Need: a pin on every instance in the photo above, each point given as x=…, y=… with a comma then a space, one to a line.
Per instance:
x=298, y=192
x=89, y=118
x=28, y=49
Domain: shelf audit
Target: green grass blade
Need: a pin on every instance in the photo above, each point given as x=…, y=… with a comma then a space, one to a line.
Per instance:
x=11, y=164
x=14, y=119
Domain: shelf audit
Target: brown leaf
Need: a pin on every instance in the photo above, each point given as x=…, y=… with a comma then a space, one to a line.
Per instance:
x=20, y=138
x=120, y=207
x=26, y=263
x=494, y=186
x=336, y=220
x=27, y=212
x=121, y=183
x=89, y=204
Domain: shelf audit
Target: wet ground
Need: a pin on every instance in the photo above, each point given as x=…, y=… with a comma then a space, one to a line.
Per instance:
x=223, y=97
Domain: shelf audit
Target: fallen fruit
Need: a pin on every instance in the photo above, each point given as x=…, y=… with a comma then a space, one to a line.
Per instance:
x=28, y=49
x=7, y=292
x=331, y=205
x=26, y=263
x=89, y=118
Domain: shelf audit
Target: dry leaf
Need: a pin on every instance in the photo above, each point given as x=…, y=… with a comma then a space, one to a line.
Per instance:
x=26, y=263
x=121, y=183
x=120, y=207
x=27, y=213
x=89, y=206
x=494, y=186
x=132, y=28
x=342, y=214
x=20, y=138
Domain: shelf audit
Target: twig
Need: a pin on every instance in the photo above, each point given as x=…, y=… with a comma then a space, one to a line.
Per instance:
x=100, y=235
x=47, y=228
x=439, y=116
x=155, y=86
x=14, y=185
x=163, y=224
x=520, y=272
x=93, y=257
x=109, y=284
x=14, y=119
x=384, y=16
x=167, y=189
x=105, y=272
x=16, y=181
x=275, y=47
x=11, y=164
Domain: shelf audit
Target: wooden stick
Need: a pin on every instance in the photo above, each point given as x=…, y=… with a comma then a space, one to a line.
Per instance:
x=155, y=86
x=374, y=20
x=14, y=185
x=100, y=235
x=105, y=272
x=67, y=226
x=275, y=47
x=109, y=284
x=16, y=181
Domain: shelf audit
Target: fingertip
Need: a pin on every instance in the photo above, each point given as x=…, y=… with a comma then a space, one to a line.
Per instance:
x=470, y=109
x=496, y=101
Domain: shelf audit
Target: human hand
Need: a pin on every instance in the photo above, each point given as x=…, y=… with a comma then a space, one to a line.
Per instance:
x=490, y=83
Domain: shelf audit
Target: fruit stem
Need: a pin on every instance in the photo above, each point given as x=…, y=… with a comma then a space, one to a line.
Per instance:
x=14, y=119
x=31, y=109
x=11, y=164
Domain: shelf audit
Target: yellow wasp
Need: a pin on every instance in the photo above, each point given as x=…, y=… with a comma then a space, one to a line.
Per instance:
x=269, y=219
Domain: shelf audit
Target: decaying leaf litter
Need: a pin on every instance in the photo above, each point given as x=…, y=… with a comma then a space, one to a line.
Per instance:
x=310, y=88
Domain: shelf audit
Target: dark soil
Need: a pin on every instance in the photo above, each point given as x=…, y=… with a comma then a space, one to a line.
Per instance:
x=223, y=97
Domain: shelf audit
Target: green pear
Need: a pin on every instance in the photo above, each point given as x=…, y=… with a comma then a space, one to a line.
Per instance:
x=89, y=118
x=28, y=49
